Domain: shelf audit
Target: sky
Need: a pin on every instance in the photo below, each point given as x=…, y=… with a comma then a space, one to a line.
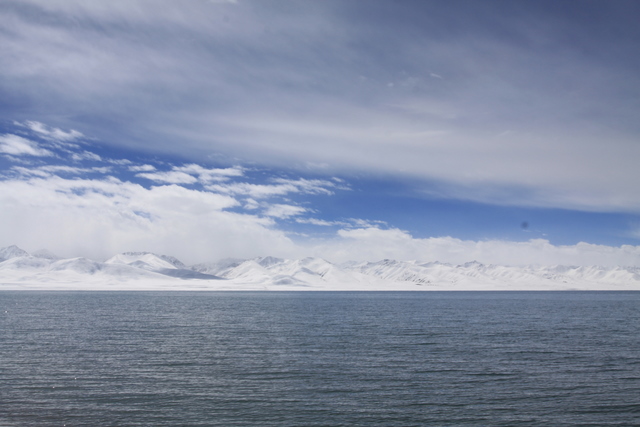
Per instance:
x=502, y=131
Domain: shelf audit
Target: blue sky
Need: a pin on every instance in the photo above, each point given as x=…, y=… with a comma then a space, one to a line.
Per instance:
x=502, y=131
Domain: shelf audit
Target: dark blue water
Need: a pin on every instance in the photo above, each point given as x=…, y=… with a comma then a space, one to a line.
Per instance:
x=320, y=359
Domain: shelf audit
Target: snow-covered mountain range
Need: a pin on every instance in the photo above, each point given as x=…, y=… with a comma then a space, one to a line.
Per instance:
x=147, y=271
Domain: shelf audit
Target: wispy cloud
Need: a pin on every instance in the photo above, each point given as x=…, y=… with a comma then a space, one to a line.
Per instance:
x=291, y=93
x=53, y=133
x=51, y=170
x=187, y=174
x=206, y=176
x=141, y=168
x=170, y=177
x=319, y=222
x=86, y=155
x=347, y=224
x=120, y=162
x=18, y=146
x=280, y=187
x=284, y=211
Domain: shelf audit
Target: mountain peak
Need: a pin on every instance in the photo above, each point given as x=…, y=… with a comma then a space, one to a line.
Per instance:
x=146, y=258
x=12, y=252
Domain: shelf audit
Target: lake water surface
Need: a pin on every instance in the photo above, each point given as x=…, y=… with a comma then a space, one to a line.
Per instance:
x=319, y=359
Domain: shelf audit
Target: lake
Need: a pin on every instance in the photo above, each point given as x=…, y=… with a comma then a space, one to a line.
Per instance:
x=319, y=358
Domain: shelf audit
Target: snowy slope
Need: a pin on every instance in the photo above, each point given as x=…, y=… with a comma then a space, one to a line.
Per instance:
x=399, y=275
x=217, y=268
x=162, y=264
x=474, y=274
x=276, y=271
x=148, y=271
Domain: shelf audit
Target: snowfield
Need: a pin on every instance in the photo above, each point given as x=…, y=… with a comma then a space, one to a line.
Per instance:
x=140, y=271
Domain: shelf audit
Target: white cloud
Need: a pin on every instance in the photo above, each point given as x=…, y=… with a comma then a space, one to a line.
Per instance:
x=348, y=223
x=281, y=187
x=206, y=176
x=119, y=162
x=250, y=204
x=57, y=137
x=258, y=191
x=314, y=186
x=187, y=174
x=98, y=218
x=318, y=222
x=366, y=223
x=171, y=177
x=86, y=155
x=53, y=133
x=30, y=171
x=370, y=244
x=49, y=170
x=18, y=146
x=142, y=168
x=101, y=169
x=282, y=211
